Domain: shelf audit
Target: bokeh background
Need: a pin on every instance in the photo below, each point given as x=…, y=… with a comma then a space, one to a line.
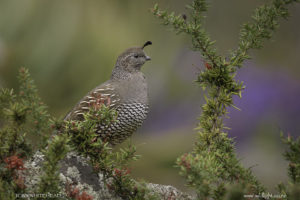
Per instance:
x=71, y=46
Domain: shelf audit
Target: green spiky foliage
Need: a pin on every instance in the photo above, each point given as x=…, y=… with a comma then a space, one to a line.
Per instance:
x=292, y=155
x=212, y=168
x=26, y=127
x=114, y=165
x=22, y=115
x=55, y=151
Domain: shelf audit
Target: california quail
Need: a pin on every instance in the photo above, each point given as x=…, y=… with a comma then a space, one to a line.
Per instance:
x=126, y=91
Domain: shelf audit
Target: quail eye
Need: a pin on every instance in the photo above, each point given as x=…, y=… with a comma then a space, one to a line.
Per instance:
x=136, y=56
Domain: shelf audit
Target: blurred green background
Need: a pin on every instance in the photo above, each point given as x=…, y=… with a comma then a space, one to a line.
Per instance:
x=71, y=46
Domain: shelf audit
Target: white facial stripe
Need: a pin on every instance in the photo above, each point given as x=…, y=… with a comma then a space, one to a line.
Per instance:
x=131, y=54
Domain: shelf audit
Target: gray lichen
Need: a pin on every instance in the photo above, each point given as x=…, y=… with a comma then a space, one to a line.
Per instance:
x=76, y=172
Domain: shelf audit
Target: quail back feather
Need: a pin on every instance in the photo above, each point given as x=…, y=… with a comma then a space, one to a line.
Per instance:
x=126, y=91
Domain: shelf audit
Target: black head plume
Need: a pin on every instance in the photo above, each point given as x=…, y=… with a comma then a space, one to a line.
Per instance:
x=146, y=44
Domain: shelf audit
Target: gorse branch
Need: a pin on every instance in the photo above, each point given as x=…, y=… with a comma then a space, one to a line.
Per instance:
x=37, y=111
x=292, y=155
x=24, y=114
x=113, y=165
x=212, y=166
x=265, y=22
x=55, y=152
x=192, y=27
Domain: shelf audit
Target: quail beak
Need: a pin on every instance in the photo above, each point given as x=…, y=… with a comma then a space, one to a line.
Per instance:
x=147, y=58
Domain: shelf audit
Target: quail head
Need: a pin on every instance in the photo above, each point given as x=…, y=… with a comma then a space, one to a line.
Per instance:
x=127, y=93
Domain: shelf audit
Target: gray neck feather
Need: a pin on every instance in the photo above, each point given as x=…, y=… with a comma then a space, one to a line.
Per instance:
x=119, y=73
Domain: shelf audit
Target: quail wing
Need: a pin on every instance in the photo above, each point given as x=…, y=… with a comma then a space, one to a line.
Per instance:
x=103, y=94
